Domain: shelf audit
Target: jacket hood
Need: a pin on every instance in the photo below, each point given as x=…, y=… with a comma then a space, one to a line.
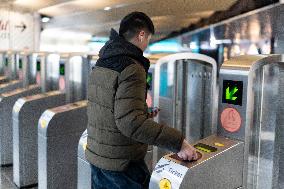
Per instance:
x=118, y=46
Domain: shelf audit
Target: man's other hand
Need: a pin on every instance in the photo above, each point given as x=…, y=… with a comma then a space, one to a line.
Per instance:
x=153, y=112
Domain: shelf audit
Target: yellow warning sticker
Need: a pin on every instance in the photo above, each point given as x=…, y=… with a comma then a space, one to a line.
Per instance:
x=16, y=109
x=85, y=146
x=165, y=184
x=219, y=144
x=43, y=123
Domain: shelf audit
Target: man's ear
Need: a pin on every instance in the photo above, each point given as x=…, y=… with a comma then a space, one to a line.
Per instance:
x=141, y=35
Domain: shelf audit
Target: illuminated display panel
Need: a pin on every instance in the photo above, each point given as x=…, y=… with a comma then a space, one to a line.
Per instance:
x=6, y=61
x=20, y=63
x=61, y=68
x=232, y=92
x=38, y=65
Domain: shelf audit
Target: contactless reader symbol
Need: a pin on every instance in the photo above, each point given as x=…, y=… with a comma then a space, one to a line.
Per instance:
x=231, y=120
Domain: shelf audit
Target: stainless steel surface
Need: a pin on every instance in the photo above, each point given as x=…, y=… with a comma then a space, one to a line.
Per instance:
x=260, y=131
x=28, y=72
x=261, y=78
x=56, y=72
x=11, y=63
x=14, y=72
x=58, y=149
x=26, y=113
x=78, y=69
x=74, y=77
x=214, y=170
x=52, y=67
x=6, y=132
x=220, y=171
x=200, y=83
x=37, y=68
x=266, y=138
x=185, y=86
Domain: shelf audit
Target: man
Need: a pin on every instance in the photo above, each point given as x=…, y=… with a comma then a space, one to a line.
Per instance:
x=119, y=127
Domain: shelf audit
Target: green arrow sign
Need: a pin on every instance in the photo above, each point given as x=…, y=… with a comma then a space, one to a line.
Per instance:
x=149, y=78
x=230, y=93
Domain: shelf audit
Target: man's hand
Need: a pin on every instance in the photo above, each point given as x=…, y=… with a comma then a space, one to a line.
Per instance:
x=153, y=112
x=187, y=152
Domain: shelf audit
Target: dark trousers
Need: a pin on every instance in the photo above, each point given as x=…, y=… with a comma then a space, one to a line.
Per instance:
x=136, y=176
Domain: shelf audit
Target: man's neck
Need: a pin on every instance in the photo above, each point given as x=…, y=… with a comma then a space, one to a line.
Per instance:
x=134, y=42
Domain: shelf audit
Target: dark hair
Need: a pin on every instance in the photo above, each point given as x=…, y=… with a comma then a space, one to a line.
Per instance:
x=131, y=24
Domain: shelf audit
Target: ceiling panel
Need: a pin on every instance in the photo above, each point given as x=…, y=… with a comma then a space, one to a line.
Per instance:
x=86, y=6
x=35, y=5
x=90, y=16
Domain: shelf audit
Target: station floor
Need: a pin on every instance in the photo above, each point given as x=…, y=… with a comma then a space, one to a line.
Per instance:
x=6, y=179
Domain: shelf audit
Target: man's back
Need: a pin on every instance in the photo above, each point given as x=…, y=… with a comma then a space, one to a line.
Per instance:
x=119, y=128
x=108, y=148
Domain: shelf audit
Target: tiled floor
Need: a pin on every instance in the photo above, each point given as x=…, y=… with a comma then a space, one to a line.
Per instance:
x=6, y=179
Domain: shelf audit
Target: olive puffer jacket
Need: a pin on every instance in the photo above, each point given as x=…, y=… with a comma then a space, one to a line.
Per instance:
x=119, y=130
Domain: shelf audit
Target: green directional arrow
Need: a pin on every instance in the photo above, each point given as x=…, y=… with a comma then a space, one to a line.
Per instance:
x=148, y=78
x=230, y=93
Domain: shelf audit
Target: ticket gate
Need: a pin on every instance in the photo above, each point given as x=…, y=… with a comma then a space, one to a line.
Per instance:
x=6, y=105
x=26, y=113
x=84, y=172
x=233, y=157
x=75, y=110
x=12, y=72
x=11, y=64
x=57, y=149
x=71, y=78
x=185, y=89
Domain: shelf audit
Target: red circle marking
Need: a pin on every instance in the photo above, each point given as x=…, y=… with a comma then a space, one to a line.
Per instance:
x=38, y=78
x=61, y=83
x=231, y=120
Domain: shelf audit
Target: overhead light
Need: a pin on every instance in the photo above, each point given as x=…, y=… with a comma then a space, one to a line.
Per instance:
x=45, y=19
x=107, y=8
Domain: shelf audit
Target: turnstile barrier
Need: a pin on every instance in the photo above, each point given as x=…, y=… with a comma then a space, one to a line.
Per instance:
x=249, y=118
x=185, y=89
x=25, y=118
x=13, y=65
x=59, y=131
x=71, y=80
x=7, y=101
x=26, y=113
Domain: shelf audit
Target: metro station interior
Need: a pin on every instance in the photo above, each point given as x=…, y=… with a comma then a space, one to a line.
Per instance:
x=215, y=74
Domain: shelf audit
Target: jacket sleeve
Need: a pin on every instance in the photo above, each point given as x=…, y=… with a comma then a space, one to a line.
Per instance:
x=131, y=117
